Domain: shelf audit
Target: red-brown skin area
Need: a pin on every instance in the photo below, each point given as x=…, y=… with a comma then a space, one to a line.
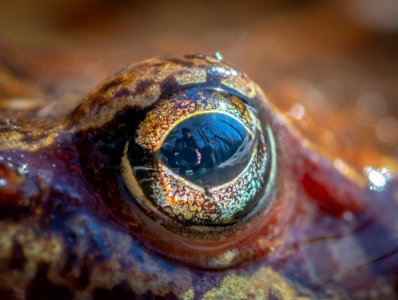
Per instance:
x=48, y=170
x=63, y=194
x=72, y=190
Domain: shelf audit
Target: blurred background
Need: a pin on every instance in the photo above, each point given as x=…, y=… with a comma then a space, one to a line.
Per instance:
x=331, y=67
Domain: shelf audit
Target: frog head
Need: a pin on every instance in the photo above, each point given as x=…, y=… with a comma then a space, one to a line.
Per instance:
x=115, y=200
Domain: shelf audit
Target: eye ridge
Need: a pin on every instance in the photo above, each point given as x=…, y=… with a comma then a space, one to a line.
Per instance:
x=219, y=87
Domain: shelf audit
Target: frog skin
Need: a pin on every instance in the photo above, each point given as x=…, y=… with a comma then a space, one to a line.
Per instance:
x=71, y=229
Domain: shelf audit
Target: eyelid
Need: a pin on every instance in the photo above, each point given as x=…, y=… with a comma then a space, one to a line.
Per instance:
x=139, y=86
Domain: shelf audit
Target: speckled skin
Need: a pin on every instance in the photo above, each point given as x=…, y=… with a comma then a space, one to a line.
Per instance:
x=71, y=230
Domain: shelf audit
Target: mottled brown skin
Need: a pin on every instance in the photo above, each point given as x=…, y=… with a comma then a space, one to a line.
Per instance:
x=71, y=230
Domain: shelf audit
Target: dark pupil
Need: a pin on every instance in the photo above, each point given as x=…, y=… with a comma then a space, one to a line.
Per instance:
x=208, y=149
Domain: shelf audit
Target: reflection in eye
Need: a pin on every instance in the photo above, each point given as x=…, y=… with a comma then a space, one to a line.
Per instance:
x=199, y=157
x=208, y=150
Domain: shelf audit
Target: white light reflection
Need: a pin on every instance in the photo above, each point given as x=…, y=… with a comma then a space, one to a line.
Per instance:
x=377, y=178
x=223, y=106
x=223, y=72
x=23, y=169
x=217, y=55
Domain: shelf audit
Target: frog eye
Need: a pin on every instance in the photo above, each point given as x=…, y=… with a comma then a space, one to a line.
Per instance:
x=182, y=152
x=200, y=157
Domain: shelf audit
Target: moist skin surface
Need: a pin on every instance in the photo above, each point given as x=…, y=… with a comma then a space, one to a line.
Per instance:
x=73, y=225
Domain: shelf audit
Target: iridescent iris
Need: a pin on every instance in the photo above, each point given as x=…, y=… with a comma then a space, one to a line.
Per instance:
x=199, y=157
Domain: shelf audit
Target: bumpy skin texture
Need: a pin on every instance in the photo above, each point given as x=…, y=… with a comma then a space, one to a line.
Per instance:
x=71, y=230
